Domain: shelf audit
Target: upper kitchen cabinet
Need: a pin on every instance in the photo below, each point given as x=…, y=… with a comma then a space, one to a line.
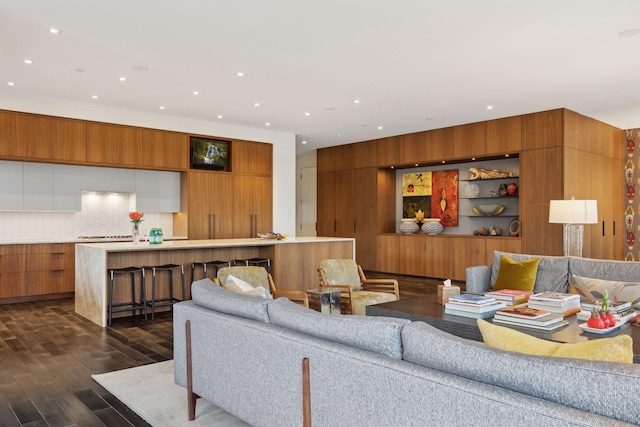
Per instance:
x=108, y=179
x=67, y=188
x=164, y=149
x=9, y=146
x=255, y=158
x=157, y=191
x=115, y=145
x=51, y=138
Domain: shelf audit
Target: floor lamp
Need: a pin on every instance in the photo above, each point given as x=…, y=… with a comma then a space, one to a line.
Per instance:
x=573, y=214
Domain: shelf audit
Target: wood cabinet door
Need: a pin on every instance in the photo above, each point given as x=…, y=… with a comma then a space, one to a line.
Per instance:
x=251, y=157
x=326, y=204
x=9, y=144
x=504, y=136
x=345, y=203
x=164, y=149
x=252, y=200
x=469, y=140
x=200, y=220
x=366, y=217
x=115, y=145
x=52, y=138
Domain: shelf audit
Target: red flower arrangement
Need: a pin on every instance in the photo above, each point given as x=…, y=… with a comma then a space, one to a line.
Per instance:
x=136, y=217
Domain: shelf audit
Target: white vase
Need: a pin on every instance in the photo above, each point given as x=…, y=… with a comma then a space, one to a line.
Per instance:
x=409, y=225
x=432, y=226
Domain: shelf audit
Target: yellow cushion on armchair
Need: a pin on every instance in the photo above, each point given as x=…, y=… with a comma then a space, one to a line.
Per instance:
x=341, y=272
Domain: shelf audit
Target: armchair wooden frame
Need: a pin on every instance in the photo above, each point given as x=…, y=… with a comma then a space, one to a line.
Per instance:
x=389, y=286
x=299, y=297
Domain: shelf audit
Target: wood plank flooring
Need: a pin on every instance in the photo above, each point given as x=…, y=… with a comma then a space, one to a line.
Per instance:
x=48, y=354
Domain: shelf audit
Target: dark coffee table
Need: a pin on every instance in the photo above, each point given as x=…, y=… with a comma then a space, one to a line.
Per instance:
x=427, y=309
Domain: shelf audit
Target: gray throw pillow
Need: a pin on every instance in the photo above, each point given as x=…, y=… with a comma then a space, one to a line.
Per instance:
x=207, y=294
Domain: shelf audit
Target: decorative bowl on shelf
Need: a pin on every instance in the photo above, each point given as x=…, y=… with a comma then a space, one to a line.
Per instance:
x=488, y=209
x=472, y=191
x=273, y=236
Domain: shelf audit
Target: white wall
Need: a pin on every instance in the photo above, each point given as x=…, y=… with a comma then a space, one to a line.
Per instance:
x=284, y=144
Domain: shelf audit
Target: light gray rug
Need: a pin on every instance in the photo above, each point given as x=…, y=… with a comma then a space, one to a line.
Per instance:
x=150, y=392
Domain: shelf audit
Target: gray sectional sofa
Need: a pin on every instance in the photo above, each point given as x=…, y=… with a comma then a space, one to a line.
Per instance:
x=554, y=272
x=371, y=371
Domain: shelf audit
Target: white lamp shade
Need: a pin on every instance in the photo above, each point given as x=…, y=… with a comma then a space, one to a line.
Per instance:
x=573, y=212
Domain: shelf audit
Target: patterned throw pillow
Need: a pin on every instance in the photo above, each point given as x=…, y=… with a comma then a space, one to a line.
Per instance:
x=590, y=288
x=234, y=284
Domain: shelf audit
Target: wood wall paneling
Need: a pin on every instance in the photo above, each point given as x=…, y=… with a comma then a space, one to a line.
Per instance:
x=365, y=207
x=365, y=154
x=326, y=159
x=388, y=151
x=386, y=210
x=345, y=156
x=441, y=143
x=345, y=203
x=52, y=138
x=504, y=135
x=411, y=256
x=468, y=253
x=326, y=204
x=388, y=247
x=413, y=148
x=469, y=140
x=542, y=130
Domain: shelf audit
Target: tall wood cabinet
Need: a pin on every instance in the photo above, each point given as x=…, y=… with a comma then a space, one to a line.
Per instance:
x=561, y=154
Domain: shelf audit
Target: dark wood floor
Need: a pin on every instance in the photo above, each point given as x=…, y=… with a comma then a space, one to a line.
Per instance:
x=48, y=354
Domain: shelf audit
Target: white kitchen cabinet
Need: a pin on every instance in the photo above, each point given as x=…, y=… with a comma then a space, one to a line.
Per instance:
x=108, y=179
x=157, y=191
x=67, y=188
x=11, y=179
x=38, y=187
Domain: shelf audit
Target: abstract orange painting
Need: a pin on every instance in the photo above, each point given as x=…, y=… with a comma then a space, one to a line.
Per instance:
x=444, y=197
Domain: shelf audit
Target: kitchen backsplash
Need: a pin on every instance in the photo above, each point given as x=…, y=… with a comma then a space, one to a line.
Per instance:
x=102, y=214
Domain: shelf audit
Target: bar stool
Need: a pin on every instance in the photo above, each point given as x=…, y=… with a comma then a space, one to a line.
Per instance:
x=258, y=262
x=132, y=305
x=217, y=265
x=170, y=300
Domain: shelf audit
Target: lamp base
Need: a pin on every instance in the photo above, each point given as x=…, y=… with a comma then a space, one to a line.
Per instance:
x=572, y=242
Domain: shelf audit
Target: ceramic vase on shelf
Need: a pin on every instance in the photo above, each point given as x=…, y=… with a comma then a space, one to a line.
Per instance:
x=409, y=225
x=432, y=226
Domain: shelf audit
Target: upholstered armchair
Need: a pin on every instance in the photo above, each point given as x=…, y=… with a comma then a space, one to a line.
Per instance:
x=356, y=291
x=258, y=276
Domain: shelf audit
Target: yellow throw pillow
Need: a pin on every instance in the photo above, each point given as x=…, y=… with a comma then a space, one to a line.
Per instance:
x=516, y=275
x=613, y=349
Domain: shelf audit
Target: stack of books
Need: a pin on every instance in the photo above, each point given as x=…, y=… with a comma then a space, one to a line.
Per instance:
x=510, y=296
x=472, y=305
x=556, y=302
x=621, y=310
x=527, y=317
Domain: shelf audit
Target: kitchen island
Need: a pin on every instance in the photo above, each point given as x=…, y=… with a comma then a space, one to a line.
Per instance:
x=294, y=263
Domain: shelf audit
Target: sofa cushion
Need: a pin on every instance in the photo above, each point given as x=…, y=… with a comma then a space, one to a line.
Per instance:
x=553, y=271
x=520, y=275
x=613, y=349
x=620, y=271
x=376, y=334
x=571, y=382
x=207, y=294
x=237, y=285
x=590, y=288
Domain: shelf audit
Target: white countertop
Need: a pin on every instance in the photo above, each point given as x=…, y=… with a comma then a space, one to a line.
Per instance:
x=76, y=240
x=191, y=244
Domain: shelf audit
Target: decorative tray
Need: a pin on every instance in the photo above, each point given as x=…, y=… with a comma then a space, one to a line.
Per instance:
x=600, y=331
x=488, y=209
x=273, y=236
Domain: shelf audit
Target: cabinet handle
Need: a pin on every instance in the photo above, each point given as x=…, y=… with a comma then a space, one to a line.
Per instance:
x=602, y=228
x=335, y=225
x=214, y=226
x=354, y=226
x=614, y=228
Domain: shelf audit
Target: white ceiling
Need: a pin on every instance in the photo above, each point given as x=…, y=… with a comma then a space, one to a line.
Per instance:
x=413, y=64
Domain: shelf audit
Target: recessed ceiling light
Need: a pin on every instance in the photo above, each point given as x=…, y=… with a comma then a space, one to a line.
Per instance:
x=356, y=101
x=307, y=114
x=256, y=104
x=11, y=84
x=240, y=74
x=304, y=142
x=629, y=33
x=28, y=61
x=489, y=107
x=123, y=79
x=339, y=135
x=195, y=92
x=94, y=96
x=429, y=118
x=219, y=116
x=54, y=30
x=162, y=107
x=267, y=124
x=379, y=127
x=79, y=70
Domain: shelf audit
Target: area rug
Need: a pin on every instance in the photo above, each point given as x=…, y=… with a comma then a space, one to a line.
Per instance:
x=150, y=392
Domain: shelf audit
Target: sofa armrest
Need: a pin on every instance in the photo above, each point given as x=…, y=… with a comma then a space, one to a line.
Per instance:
x=478, y=279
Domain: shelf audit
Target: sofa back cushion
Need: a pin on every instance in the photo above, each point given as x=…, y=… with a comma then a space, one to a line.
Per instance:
x=571, y=382
x=207, y=294
x=377, y=334
x=606, y=269
x=552, y=274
